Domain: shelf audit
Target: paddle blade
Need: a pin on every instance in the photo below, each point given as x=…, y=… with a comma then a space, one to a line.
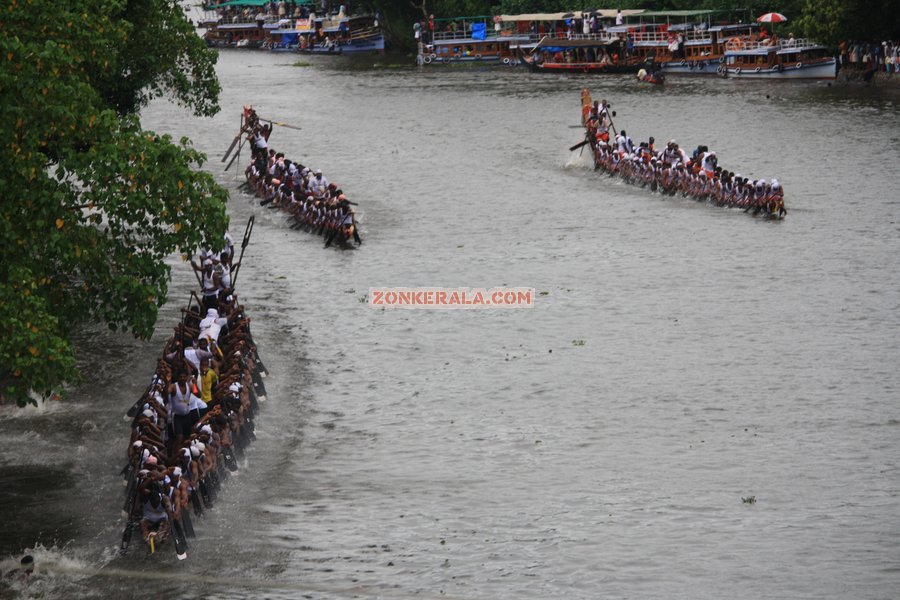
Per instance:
x=577, y=146
x=180, y=542
x=234, y=142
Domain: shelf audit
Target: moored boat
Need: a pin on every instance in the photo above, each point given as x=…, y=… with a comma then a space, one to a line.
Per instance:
x=780, y=59
x=470, y=40
x=246, y=24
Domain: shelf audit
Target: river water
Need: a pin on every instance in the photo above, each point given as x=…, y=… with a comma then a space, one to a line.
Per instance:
x=679, y=357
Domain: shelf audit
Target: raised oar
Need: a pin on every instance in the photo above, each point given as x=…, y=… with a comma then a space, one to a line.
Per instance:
x=280, y=124
x=247, y=232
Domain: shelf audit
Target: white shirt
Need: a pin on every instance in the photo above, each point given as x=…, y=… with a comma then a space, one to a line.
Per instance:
x=318, y=185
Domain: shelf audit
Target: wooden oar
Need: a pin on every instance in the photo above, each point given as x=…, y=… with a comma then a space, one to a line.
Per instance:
x=247, y=232
x=187, y=523
x=234, y=143
x=238, y=153
x=130, y=524
x=578, y=145
x=178, y=536
x=271, y=122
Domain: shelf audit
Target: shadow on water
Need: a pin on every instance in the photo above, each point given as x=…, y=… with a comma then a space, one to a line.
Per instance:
x=30, y=504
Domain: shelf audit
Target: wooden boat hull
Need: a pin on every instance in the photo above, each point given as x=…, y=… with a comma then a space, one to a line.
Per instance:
x=577, y=68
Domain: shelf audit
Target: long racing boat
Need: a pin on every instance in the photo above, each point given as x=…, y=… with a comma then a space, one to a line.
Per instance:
x=671, y=171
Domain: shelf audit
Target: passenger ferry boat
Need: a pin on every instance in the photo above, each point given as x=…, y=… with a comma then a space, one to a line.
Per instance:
x=783, y=59
x=324, y=35
x=337, y=34
x=469, y=40
x=499, y=39
x=234, y=31
x=702, y=47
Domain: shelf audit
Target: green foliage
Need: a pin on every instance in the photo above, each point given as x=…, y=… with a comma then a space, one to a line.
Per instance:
x=91, y=204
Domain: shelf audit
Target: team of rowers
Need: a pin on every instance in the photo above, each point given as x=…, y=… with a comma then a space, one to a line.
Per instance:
x=670, y=170
x=196, y=417
x=313, y=202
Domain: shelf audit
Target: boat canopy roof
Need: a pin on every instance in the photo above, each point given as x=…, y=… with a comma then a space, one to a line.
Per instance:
x=475, y=18
x=562, y=16
x=252, y=3
x=733, y=27
x=677, y=13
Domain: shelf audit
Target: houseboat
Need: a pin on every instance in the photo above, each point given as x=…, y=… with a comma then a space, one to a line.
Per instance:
x=245, y=24
x=327, y=35
x=778, y=59
x=468, y=40
x=688, y=48
x=239, y=24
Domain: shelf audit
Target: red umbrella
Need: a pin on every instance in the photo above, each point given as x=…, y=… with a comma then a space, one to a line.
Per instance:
x=772, y=18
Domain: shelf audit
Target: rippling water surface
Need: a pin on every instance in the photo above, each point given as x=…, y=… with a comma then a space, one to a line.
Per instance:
x=679, y=358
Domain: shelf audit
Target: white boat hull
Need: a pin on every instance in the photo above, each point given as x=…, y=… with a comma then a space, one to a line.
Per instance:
x=703, y=67
x=818, y=70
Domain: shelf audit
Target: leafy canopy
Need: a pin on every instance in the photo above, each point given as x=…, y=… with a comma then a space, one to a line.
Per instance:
x=90, y=203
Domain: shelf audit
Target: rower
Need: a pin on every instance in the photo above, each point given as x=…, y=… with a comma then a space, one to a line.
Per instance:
x=209, y=284
x=155, y=510
x=624, y=142
x=708, y=162
x=318, y=184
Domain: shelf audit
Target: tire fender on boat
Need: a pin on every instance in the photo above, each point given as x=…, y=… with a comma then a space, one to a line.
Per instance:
x=757, y=70
x=505, y=61
x=719, y=69
x=684, y=62
x=427, y=60
x=433, y=56
x=477, y=57
x=721, y=60
x=799, y=65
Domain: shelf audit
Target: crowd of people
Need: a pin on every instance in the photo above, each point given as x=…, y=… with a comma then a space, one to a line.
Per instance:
x=193, y=422
x=313, y=202
x=870, y=56
x=277, y=9
x=670, y=170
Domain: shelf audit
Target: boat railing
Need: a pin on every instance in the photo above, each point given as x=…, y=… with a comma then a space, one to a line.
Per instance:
x=665, y=37
x=462, y=35
x=798, y=44
x=241, y=19
x=208, y=17
x=602, y=36
x=752, y=45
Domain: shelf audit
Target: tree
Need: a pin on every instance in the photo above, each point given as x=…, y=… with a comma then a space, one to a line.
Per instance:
x=90, y=203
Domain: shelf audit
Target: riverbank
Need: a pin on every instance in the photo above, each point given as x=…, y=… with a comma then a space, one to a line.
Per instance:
x=850, y=75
